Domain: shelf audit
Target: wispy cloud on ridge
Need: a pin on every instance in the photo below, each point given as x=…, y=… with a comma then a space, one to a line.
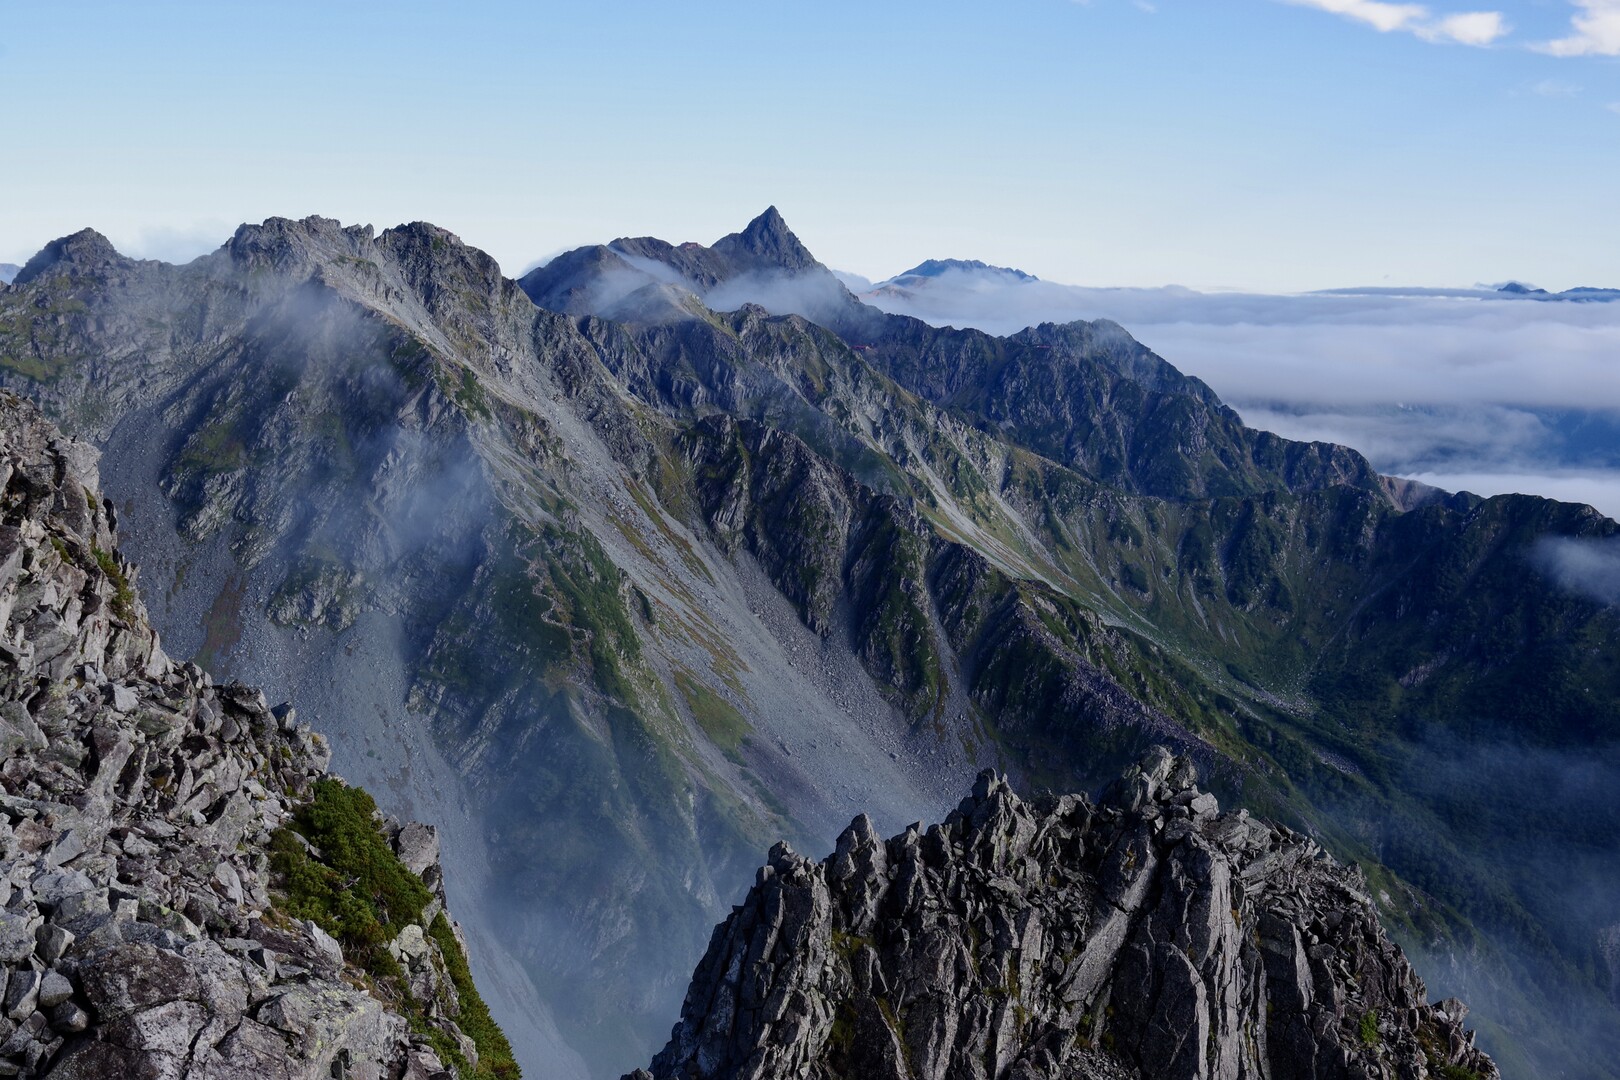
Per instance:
x=1477, y=28
x=1595, y=31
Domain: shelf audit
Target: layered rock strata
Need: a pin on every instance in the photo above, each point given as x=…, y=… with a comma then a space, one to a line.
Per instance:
x=1146, y=936
x=143, y=933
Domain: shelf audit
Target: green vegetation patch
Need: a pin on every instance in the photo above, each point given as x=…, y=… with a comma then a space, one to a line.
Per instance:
x=38, y=368
x=495, y=1060
x=586, y=584
x=842, y=1035
x=469, y=394
x=718, y=718
x=565, y=604
x=361, y=894
x=32, y=346
x=349, y=882
x=123, y=598
x=215, y=449
x=847, y=945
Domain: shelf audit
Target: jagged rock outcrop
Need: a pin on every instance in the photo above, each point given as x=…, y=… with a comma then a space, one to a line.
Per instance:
x=142, y=934
x=1146, y=936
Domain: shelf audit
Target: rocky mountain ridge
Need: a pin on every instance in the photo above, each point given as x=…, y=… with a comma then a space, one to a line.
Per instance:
x=1149, y=935
x=164, y=895
x=1084, y=395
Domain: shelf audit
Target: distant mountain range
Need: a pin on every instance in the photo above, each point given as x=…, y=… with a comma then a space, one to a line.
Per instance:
x=8, y=271
x=1581, y=294
x=972, y=273
x=1513, y=290
x=625, y=570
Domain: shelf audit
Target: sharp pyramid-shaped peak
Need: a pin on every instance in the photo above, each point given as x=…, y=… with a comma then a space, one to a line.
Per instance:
x=84, y=250
x=769, y=224
x=768, y=240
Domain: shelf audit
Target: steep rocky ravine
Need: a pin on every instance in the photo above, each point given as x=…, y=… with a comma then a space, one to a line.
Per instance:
x=1147, y=936
x=187, y=891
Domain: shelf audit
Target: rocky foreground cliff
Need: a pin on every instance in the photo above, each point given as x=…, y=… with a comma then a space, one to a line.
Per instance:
x=1150, y=936
x=186, y=892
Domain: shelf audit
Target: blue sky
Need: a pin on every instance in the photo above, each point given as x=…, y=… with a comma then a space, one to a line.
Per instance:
x=1259, y=144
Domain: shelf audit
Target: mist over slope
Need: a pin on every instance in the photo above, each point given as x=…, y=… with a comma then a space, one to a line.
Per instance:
x=668, y=551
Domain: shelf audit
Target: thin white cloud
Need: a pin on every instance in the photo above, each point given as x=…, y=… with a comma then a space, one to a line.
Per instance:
x=1596, y=31
x=1477, y=28
x=1613, y=106
x=1555, y=88
x=1381, y=16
